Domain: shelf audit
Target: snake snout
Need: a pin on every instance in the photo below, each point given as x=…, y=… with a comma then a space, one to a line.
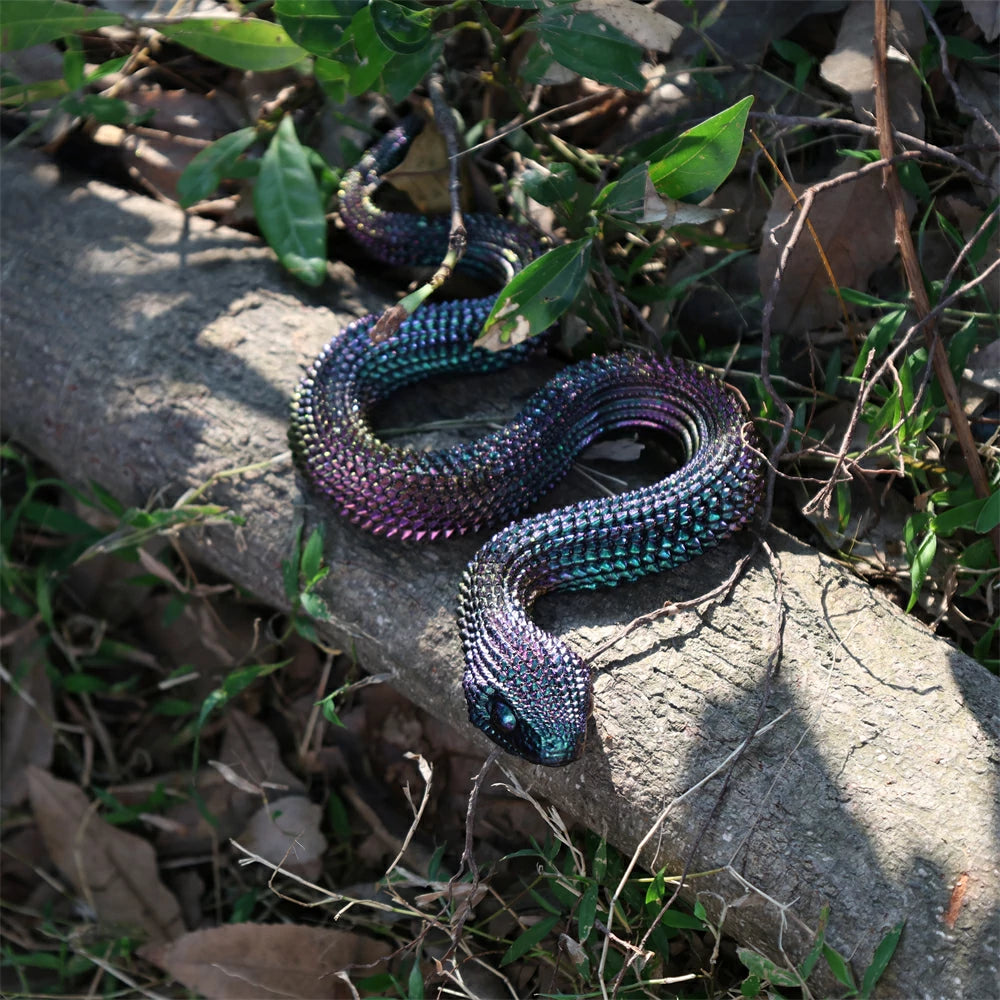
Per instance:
x=536, y=706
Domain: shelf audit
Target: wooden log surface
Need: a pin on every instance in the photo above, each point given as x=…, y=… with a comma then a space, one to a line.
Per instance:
x=147, y=351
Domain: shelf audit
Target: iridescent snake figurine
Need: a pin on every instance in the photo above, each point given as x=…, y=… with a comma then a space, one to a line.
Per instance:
x=526, y=689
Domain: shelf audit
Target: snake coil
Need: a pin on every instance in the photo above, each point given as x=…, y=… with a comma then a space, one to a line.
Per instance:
x=526, y=689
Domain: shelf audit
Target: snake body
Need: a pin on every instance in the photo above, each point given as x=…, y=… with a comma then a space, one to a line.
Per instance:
x=525, y=688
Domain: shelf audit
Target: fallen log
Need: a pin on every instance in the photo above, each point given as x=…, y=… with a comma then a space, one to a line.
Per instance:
x=147, y=351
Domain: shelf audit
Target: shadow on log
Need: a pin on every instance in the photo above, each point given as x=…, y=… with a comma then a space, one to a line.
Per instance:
x=147, y=351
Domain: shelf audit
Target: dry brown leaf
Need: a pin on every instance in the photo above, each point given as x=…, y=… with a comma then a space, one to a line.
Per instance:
x=986, y=14
x=113, y=870
x=27, y=718
x=647, y=28
x=850, y=65
x=251, y=750
x=286, y=832
x=423, y=174
x=229, y=807
x=853, y=222
x=267, y=961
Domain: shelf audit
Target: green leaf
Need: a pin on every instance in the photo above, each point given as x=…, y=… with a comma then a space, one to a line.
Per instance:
x=678, y=918
x=563, y=893
x=34, y=22
x=289, y=208
x=965, y=515
x=795, y=54
x=550, y=186
x=373, y=54
x=246, y=44
x=435, y=864
x=984, y=648
x=106, y=69
x=601, y=860
x=807, y=964
x=234, y=684
x=881, y=333
x=656, y=888
x=764, y=969
x=880, y=961
x=587, y=912
x=591, y=47
x=110, y=503
x=532, y=936
x=400, y=77
x=694, y=164
x=312, y=556
x=332, y=76
x=19, y=95
x=989, y=517
x=415, y=981
x=401, y=27
x=839, y=967
x=109, y=110
x=537, y=296
x=318, y=26
x=920, y=566
x=912, y=180
x=625, y=195
x=314, y=606
x=73, y=62
x=202, y=176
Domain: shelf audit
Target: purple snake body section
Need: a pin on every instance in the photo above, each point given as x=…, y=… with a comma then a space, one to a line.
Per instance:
x=525, y=688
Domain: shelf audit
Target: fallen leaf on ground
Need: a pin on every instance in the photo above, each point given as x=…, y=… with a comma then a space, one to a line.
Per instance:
x=113, y=870
x=850, y=68
x=286, y=832
x=267, y=961
x=853, y=223
x=251, y=750
x=986, y=14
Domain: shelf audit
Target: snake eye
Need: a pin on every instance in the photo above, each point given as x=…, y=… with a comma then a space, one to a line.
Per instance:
x=503, y=715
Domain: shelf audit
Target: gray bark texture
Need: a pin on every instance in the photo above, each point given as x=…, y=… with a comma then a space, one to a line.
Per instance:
x=148, y=351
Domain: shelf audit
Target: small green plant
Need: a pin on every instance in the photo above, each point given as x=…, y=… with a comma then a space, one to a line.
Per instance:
x=682, y=169
x=301, y=573
x=768, y=978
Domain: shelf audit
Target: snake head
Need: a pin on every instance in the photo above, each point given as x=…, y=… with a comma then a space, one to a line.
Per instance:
x=535, y=702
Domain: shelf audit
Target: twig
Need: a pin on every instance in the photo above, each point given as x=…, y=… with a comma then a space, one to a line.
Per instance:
x=119, y=975
x=389, y=321
x=470, y=818
x=672, y=608
x=911, y=265
x=845, y=124
x=426, y=772
x=311, y=724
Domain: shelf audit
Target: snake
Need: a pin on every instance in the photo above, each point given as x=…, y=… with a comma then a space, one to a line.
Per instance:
x=526, y=688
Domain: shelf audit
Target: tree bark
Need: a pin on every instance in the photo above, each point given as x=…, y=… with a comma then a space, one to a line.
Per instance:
x=147, y=351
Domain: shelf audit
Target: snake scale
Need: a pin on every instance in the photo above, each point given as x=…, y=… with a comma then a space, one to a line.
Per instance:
x=526, y=689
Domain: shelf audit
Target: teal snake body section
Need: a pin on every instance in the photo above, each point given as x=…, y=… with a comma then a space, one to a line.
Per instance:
x=525, y=688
